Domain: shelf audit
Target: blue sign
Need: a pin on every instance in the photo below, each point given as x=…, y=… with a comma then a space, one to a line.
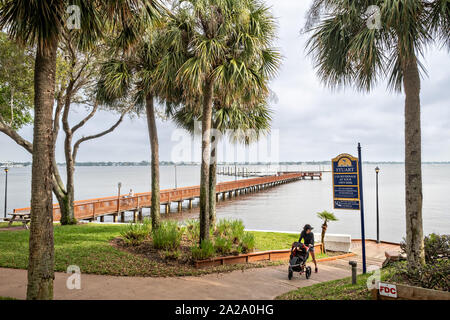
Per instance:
x=346, y=204
x=345, y=182
x=345, y=164
x=345, y=179
x=346, y=192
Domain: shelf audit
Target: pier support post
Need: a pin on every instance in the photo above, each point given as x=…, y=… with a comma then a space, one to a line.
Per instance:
x=140, y=214
x=134, y=216
x=190, y=204
x=115, y=217
x=180, y=206
x=167, y=208
x=102, y=218
x=122, y=216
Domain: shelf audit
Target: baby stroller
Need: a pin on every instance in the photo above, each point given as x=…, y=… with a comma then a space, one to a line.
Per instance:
x=297, y=261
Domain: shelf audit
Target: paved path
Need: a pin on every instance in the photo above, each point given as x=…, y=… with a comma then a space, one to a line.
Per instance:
x=264, y=283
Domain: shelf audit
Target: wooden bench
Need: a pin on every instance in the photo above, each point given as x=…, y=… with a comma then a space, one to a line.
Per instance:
x=19, y=217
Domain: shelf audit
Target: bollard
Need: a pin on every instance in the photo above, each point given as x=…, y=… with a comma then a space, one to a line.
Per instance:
x=353, y=264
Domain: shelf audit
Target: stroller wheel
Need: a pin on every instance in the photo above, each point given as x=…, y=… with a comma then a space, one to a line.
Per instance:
x=290, y=273
x=308, y=272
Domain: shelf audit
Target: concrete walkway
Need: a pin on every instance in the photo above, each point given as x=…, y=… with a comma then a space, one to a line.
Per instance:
x=264, y=283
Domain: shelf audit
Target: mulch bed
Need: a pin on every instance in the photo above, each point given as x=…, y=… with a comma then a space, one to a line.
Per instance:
x=183, y=262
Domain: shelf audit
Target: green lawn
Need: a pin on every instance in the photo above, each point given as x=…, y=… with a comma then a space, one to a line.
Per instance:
x=15, y=224
x=341, y=289
x=88, y=247
x=277, y=241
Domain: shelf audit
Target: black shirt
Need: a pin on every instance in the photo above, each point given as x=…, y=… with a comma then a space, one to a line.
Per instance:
x=309, y=238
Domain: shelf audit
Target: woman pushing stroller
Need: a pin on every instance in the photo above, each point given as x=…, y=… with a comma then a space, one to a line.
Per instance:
x=308, y=237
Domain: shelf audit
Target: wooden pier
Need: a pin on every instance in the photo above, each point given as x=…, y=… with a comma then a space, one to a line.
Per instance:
x=115, y=206
x=246, y=172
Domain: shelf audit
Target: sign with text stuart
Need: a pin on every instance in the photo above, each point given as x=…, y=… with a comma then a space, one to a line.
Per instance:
x=346, y=194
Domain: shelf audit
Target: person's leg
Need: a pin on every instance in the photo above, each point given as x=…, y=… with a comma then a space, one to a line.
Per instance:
x=313, y=256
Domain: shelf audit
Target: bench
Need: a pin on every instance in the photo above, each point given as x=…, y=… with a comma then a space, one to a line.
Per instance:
x=336, y=242
x=19, y=217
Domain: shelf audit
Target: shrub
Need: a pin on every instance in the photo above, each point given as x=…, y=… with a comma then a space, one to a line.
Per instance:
x=167, y=236
x=435, y=273
x=135, y=233
x=437, y=247
x=223, y=228
x=223, y=245
x=204, y=251
x=237, y=231
x=430, y=276
x=192, y=228
x=248, y=242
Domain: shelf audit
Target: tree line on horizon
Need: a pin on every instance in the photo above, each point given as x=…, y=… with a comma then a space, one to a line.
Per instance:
x=189, y=60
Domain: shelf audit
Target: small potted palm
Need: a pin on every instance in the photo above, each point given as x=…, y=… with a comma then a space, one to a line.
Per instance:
x=325, y=216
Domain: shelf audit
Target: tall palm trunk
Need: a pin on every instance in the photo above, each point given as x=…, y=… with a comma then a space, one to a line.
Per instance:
x=41, y=251
x=212, y=189
x=413, y=164
x=322, y=236
x=153, y=135
x=206, y=154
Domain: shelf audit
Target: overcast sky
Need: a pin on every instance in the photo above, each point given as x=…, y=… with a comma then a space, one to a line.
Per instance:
x=313, y=123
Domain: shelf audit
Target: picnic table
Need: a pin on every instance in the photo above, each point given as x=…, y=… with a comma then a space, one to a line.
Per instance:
x=25, y=218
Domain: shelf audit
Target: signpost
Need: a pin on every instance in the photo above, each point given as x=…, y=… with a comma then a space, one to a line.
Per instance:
x=347, y=189
x=346, y=182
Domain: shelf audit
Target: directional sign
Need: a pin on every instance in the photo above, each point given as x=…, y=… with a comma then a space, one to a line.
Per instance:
x=346, y=192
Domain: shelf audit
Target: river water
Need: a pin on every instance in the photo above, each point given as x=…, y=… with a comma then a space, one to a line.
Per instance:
x=284, y=208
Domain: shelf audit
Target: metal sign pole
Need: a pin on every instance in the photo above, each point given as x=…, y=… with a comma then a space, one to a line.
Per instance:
x=363, y=237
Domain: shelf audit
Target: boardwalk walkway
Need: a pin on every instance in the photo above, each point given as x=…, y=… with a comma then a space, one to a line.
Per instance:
x=264, y=283
x=117, y=205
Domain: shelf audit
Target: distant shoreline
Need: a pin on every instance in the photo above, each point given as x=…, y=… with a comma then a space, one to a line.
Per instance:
x=168, y=163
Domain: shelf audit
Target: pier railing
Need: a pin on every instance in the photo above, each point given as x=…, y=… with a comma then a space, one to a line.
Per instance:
x=92, y=208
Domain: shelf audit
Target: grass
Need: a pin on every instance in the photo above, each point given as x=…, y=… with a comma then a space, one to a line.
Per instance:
x=88, y=246
x=341, y=289
x=14, y=224
x=277, y=241
x=7, y=298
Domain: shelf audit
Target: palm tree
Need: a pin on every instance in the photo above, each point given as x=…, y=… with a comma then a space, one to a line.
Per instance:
x=226, y=40
x=325, y=216
x=346, y=51
x=41, y=23
x=148, y=75
x=239, y=118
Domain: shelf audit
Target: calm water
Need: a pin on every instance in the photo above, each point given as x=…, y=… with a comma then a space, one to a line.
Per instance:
x=286, y=208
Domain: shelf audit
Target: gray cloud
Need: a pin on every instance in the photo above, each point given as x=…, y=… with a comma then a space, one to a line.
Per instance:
x=315, y=123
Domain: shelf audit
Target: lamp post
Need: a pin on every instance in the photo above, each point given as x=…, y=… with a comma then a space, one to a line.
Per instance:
x=176, y=185
x=119, y=185
x=6, y=190
x=377, y=170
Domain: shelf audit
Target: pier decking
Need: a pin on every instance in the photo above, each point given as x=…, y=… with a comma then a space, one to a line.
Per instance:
x=117, y=206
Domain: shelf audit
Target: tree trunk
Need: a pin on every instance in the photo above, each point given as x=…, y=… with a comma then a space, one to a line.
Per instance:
x=153, y=135
x=413, y=165
x=212, y=189
x=41, y=250
x=322, y=239
x=67, y=212
x=206, y=154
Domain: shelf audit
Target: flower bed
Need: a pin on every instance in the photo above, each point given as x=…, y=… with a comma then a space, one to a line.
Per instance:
x=271, y=255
